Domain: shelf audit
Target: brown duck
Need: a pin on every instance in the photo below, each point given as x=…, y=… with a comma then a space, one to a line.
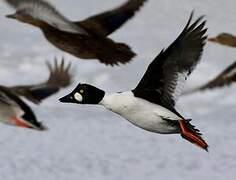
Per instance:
x=85, y=39
x=224, y=39
x=14, y=111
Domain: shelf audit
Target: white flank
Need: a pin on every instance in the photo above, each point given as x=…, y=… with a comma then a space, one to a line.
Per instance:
x=140, y=112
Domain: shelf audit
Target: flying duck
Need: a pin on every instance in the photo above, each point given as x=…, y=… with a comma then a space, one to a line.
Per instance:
x=224, y=39
x=86, y=39
x=226, y=78
x=14, y=111
x=151, y=105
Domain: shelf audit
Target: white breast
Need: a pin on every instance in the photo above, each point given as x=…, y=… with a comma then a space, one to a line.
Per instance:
x=139, y=111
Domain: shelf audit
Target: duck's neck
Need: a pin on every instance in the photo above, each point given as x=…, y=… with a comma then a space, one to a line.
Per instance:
x=106, y=99
x=113, y=101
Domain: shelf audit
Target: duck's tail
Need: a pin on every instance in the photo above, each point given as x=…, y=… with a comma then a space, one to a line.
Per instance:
x=119, y=54
x=191, y=134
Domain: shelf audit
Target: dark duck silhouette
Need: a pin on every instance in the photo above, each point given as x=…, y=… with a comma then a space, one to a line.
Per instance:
x=14, y=111
x=151, y=105
x=225, y=39
x=224, y=79
x=86, y=39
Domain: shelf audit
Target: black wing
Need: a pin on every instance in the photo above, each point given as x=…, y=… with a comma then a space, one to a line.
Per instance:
x=59, y=77
x=226, y=78
x=172, y=66
x=106, y=23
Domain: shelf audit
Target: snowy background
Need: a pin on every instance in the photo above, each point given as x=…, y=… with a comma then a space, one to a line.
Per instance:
x=90, y=143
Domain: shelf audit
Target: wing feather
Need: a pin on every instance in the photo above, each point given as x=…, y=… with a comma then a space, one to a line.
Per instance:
x=60, y=77
x=170, y=69
x=109, y=21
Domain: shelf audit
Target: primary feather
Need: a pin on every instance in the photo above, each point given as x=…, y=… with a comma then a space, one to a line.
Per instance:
x=60, y=77
x=172, y=66
x=107, y=22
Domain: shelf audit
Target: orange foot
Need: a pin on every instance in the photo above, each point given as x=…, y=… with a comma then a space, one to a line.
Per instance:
x=19, y=123
x=192, y=137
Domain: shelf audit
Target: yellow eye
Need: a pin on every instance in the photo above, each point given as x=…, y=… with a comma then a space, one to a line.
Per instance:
x=81, y=91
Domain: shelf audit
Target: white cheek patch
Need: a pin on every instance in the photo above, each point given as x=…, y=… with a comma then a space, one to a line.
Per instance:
x=78, y=97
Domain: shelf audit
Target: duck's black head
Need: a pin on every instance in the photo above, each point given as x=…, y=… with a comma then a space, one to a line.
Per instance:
x=84, y=94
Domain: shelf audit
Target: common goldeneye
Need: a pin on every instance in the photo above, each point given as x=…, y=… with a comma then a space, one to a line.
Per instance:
x=151, y=105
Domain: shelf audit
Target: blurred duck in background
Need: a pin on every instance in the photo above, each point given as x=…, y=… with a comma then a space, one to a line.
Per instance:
x=224, y=79
x=86, y=39
x=225, y=39
x=14, y=111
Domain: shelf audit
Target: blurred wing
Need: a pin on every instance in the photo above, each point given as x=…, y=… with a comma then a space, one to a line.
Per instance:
x=108, y=22
x=13, y=3
x=4, y=99
x=170, y=69
x=226, y=78
x=44, y=11
x=60, y=77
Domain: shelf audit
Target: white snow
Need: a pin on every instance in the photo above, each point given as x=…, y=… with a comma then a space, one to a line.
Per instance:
x=88, y=142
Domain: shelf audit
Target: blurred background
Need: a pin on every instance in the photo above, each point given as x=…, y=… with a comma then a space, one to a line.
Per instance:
x=88, y=142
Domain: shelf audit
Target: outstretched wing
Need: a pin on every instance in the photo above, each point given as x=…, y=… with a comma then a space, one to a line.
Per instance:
x=171, y=67
x=44, y=11
x=226, y=78
x=108, y=22
x=60, y=77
